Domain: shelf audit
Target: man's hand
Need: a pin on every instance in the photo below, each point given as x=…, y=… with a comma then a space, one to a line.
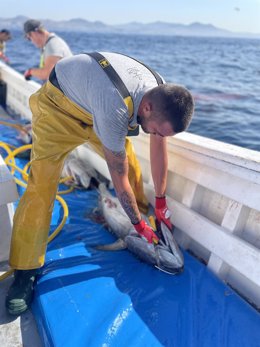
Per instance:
x=6, y=60
x=28, y=74
x=162, y=212
x=146, y=231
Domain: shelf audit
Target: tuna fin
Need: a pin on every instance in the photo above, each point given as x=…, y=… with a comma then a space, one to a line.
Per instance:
x=116, y=246
x=168, y=272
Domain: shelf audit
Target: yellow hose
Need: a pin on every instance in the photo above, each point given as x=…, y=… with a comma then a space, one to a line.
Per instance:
x=25, y=169
x=17, y=150
x=9, y=152
x=25, y=175
x=67, y=191
x=65, y=216
x=64, y=179
x=10, y=157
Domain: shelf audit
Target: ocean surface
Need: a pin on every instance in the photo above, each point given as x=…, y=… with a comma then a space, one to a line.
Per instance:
x=223, y=75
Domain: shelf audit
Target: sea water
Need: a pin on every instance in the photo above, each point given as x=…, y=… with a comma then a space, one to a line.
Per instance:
x=223, y=74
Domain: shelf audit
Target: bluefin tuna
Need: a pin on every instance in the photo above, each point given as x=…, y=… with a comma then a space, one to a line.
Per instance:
x=79, y=171
x=165, y=256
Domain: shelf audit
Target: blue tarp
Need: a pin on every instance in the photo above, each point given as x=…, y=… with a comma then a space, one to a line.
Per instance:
x=90, y=298
x=86, y=297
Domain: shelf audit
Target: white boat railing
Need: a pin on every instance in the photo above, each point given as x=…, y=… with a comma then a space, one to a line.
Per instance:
x=213, y=192
x=18, y=91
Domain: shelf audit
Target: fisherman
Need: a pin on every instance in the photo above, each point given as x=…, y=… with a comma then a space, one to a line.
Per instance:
x=97, y=99
x=4, y=36
x=53, y=48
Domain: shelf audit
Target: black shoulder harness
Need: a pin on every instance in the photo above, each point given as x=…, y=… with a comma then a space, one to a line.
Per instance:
x=120, y=86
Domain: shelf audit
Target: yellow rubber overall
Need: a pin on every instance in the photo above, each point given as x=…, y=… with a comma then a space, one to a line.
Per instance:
x=59, y=126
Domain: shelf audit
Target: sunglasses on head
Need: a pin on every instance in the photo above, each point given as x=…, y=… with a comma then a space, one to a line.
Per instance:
x=28, y=36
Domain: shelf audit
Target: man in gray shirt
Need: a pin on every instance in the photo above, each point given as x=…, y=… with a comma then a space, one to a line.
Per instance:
x=82, y=103
x=53, y=48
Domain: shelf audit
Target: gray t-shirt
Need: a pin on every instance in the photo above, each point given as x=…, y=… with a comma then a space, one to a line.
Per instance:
x=84, y=82
x=57, y=47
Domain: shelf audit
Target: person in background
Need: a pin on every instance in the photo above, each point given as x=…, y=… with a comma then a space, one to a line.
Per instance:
x=4, y=36
x=53, y=48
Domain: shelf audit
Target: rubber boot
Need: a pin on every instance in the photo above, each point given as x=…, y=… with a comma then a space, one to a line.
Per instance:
x=20, y=293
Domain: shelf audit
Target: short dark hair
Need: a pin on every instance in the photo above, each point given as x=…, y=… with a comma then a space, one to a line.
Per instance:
x=174, y=103
x=5, y=31
x=5, y=35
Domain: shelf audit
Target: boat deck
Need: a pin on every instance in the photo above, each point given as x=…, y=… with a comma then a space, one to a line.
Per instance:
x=16, y=331
x=86, y=297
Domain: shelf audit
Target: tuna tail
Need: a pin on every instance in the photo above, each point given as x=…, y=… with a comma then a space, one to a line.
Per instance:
x=170, y=257
x=172, y=244
x=116, y=246
x=168, y=272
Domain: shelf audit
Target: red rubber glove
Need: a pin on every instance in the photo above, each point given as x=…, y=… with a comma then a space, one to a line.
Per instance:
x=6, y=60
x=162, y=212
x=28, y=74
x=146, y=231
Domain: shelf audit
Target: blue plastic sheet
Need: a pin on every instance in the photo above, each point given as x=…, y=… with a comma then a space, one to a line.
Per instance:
x=90, y=298
x=86, y=297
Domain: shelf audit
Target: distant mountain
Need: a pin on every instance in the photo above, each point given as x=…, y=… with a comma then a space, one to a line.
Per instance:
x=12, y=23
x=163, y=28
x=155, y=28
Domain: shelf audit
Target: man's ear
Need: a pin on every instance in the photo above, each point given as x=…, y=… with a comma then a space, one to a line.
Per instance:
x=148, y=106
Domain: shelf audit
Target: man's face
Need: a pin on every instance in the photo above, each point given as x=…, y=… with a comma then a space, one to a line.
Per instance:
x=36, y=38
x=154, y=125
x=4, y=37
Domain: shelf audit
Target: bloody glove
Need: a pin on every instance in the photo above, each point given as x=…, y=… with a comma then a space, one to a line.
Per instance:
x=146, y=231
x=28, y=74
x=162, y=212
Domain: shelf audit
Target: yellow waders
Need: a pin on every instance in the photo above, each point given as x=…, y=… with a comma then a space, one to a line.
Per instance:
x=59, y=126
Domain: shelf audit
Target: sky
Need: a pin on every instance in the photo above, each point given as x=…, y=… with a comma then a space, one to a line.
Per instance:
x=234, y=15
